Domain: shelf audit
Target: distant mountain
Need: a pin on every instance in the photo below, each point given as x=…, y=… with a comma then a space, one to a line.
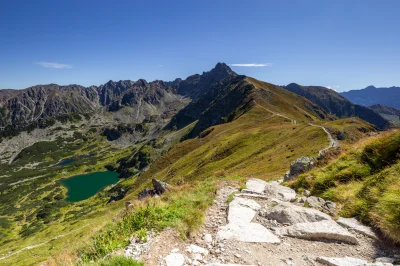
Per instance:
x=332, y=102
x=371, y=96
x=147, y=100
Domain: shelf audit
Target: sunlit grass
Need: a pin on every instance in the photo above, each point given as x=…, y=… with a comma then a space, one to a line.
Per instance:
x=365, y=181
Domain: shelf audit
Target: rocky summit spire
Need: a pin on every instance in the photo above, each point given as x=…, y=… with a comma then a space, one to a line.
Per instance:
x=222, y=69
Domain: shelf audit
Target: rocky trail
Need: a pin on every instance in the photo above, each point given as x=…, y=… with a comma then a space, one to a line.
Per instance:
x=267, y=224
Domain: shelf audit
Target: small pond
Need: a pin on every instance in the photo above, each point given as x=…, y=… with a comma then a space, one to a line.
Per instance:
x=81, y=187
x=70, y=160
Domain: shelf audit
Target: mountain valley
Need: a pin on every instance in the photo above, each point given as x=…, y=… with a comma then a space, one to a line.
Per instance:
x=192, y=134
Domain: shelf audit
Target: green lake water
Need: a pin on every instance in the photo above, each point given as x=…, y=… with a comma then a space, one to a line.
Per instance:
x=81, y=187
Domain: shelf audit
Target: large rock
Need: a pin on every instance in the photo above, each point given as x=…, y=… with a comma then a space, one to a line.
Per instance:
x=315, y=202
x=160, y=187
x=242, y=210
x=275, y=190
x=323, y=230
x=240, y=214
x=255, y=186
x=299, y=166
x=247, y=232
x=356, y=226
x=287, y=213
x=346, y=261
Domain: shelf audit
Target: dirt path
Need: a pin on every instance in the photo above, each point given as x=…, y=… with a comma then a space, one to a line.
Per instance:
x=210, y=249
x=277, y=114
x=333, y=143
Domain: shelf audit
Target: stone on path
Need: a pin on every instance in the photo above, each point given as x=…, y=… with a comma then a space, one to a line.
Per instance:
x=346, y=261
x=175, y=259
x=242, y=210
x=254, y=185
x=356, y=226
x=287, y=213
x=252, y=195
x=250, y=232
x=208, y=238
x=196, y=249
x=315, y=202
x=240, y=214
x=275, y=190
x=323, y=230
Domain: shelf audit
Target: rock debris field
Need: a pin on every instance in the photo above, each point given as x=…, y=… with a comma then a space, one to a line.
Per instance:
x=267, y=224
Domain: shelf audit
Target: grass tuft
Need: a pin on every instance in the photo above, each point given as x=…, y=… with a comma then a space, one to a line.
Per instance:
x=366, y=182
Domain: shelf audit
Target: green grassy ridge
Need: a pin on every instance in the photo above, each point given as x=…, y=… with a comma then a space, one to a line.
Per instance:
x=248, y=145
x=365, y=181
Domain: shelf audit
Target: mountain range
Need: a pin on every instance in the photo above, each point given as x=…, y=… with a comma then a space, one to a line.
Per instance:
x=372, y=95
x=218, y=92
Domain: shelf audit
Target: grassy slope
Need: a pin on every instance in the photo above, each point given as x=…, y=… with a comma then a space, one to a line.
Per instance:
x=257, y=143
x=366, y=181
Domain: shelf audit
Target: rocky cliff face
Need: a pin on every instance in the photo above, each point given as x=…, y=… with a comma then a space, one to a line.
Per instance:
x=21, y=108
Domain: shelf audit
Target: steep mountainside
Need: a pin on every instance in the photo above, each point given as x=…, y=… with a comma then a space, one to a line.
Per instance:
x=334, y=103
x=389, y=113
x=383, y=109
x=372, y=95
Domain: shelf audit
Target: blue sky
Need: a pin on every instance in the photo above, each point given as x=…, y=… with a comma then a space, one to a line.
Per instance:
x=342, y=44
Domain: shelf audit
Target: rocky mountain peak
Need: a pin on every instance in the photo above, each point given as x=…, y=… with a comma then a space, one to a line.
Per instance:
x=222, y=69
x=141, y=83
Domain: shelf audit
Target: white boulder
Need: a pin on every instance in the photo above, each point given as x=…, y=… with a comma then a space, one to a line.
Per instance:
x=328, y=230
x=287, y=213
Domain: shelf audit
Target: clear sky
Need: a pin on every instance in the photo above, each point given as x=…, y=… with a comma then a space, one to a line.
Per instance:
x=347, y=44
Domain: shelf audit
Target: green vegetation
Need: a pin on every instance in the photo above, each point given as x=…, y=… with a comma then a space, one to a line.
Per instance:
x=365, y=181
x=119, y=261
x=32, y=201
x=182, y=209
